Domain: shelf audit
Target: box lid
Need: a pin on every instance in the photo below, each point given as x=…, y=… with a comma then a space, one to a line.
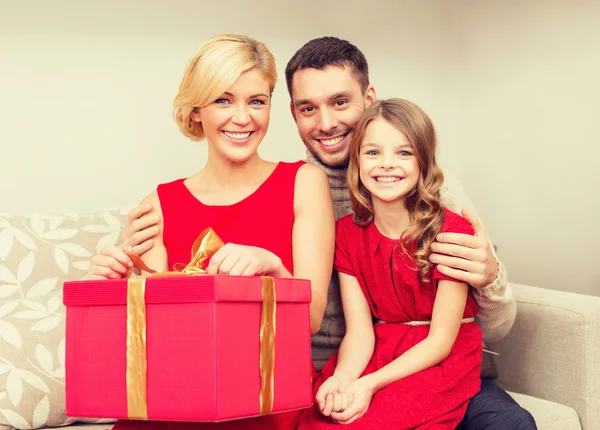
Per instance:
x=185, y=289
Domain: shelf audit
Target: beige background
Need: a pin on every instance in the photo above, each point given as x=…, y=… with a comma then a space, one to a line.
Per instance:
x=513, y=86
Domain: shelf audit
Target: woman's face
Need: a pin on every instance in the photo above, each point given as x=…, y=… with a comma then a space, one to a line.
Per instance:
x=236, y=122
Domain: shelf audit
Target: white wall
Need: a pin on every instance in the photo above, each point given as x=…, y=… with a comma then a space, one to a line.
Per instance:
x=529, y=107
x=86, y=90
x=86, y=87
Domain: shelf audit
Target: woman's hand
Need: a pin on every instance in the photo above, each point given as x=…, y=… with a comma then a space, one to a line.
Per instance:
x=242, y=260
x=110, y=263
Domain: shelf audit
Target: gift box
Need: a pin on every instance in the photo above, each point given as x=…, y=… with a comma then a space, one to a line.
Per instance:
x=187, y=348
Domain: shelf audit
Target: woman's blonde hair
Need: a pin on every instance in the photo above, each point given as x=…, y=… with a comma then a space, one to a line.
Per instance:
x=213, y=69
x=424, y=201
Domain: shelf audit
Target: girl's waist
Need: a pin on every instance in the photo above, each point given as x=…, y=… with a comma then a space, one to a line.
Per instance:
x=466, y=320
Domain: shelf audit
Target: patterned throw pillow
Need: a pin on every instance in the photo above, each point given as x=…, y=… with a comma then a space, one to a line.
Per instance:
x=37, y=254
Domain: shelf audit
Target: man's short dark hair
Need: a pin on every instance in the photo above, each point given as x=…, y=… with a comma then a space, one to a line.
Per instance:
x=329, y=51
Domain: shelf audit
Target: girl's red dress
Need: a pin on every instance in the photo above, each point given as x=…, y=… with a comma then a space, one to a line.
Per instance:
x=435, y=398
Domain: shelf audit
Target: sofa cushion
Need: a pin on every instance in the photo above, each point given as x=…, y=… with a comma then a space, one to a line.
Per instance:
x=79, y=426
x=37, y=254
x=548, y=415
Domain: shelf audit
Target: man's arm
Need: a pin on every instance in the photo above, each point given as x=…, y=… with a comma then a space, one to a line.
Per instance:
x=472, y=259
x=142, y=229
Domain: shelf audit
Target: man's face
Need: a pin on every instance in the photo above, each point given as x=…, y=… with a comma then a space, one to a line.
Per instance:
x=327, y=105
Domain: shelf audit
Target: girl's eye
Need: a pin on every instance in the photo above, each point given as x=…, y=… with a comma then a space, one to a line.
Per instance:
x=405, y=154
x=221, y=101
x=372, y=152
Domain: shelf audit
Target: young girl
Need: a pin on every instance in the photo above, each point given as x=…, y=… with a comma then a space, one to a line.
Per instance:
x=411, y=354
x=276, y=219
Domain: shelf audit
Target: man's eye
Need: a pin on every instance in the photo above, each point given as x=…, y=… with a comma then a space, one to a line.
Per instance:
x=308, y=109
x=341, y=102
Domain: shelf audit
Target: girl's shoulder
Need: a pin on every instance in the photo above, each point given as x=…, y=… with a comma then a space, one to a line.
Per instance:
x=347, y=221
x=454, y=223
x=346, y=225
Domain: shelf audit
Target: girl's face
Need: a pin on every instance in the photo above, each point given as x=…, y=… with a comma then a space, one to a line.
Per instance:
x=387, y=164
x=236, y=122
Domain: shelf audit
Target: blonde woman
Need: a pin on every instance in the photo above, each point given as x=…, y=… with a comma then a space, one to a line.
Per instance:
x=275, y=218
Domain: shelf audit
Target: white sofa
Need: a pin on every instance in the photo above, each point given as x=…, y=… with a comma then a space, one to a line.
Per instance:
x=551, y=357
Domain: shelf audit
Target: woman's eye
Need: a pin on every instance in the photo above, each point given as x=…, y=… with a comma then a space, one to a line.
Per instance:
x=257, y=102
x=221, y=101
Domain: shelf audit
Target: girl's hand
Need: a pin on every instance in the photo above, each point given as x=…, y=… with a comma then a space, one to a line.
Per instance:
x=360, y=392
x=242, y=260
x=330, y=396
x=110, y=263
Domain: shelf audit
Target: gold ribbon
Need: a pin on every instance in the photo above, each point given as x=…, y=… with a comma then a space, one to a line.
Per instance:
x=267, y=345
x=204, y=246
x=137, y=407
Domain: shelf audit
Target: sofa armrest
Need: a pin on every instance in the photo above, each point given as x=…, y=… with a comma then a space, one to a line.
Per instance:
x=553, y=350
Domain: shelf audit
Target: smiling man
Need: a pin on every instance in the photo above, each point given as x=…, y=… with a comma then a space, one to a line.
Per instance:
x=328, y=83
x=329, y=105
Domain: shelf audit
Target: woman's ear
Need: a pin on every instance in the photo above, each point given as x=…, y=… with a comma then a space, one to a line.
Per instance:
x=195, y=115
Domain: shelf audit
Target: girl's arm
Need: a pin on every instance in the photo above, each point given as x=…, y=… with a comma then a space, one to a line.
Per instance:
x=448, y=310
x=313, y=237
x=156, y=257
x=359, y=342
x=355, y=351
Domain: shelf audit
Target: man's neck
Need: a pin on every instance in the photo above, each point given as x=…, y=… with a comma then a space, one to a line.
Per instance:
x=338, y=185
x=337, y=177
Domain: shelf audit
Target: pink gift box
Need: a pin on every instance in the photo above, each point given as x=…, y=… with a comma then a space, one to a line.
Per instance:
x=202, y=347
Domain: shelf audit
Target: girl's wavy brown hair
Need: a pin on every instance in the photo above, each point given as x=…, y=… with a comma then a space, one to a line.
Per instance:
x=424, y=201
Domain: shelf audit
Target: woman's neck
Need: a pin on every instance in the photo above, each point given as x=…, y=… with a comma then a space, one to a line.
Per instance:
x=391, y=219
x=220, y=173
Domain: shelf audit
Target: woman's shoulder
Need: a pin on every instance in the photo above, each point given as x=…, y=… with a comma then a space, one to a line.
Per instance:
x=153, y=200
x=308, y=172
x=177, y=183
x=454, y=223
x=309, y=178
x=292, y=164
x=164, y=192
